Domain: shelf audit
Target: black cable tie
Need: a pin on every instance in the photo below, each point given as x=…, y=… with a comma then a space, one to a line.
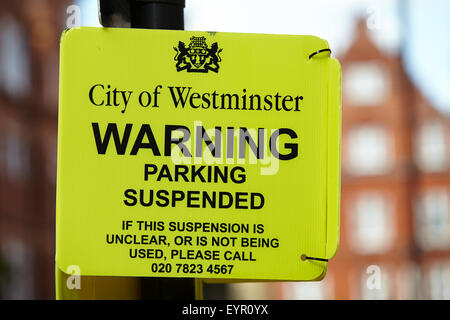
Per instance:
x=320, y=51
x=305, y=257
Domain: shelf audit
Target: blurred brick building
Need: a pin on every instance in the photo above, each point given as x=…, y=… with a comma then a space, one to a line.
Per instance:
x=29, y=54
x=395, y=214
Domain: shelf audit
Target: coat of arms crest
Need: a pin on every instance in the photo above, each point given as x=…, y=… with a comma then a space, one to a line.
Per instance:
x=197, y=57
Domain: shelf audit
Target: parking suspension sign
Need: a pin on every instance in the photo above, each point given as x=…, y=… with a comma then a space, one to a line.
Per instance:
x=195, y=154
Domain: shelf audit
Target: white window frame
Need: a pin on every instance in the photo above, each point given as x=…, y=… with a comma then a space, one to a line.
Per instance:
x=432, y=220
x=359, y=74
x=364, y=245
x=431, y=153
x=361, y=160
x=439, y=280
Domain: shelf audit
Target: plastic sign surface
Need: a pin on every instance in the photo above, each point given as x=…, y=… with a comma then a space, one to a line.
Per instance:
x=195, y=154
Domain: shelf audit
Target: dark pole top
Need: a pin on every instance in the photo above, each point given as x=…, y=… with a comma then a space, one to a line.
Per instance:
x=157, y=14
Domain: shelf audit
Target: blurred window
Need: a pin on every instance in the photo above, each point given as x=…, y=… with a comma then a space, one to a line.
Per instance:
x=409, y=282
x=51, y=161
x=433, y=220
x=431, y=153
x=368, y=150
x=375, y=286
x=366, y=84
x=372, y=229
x=248, y=291
x=2, y=152
x=14, y=59
x=308, y=291
x=439, y=281
x=17, y=157
x=18, y=275
x=323, y=290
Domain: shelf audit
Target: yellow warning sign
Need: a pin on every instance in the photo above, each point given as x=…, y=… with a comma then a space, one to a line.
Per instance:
x=195, y=154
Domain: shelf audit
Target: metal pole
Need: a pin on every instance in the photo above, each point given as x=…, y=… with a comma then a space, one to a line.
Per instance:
x=153, y=14
x=158, y=14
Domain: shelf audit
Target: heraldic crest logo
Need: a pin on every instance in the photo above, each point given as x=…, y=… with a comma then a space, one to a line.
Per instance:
x=197, y=57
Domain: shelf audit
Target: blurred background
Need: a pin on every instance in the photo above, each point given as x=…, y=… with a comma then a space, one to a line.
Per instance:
x=395, y=217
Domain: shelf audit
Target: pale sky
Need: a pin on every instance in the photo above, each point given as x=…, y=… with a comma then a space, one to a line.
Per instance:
x=424, y=43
